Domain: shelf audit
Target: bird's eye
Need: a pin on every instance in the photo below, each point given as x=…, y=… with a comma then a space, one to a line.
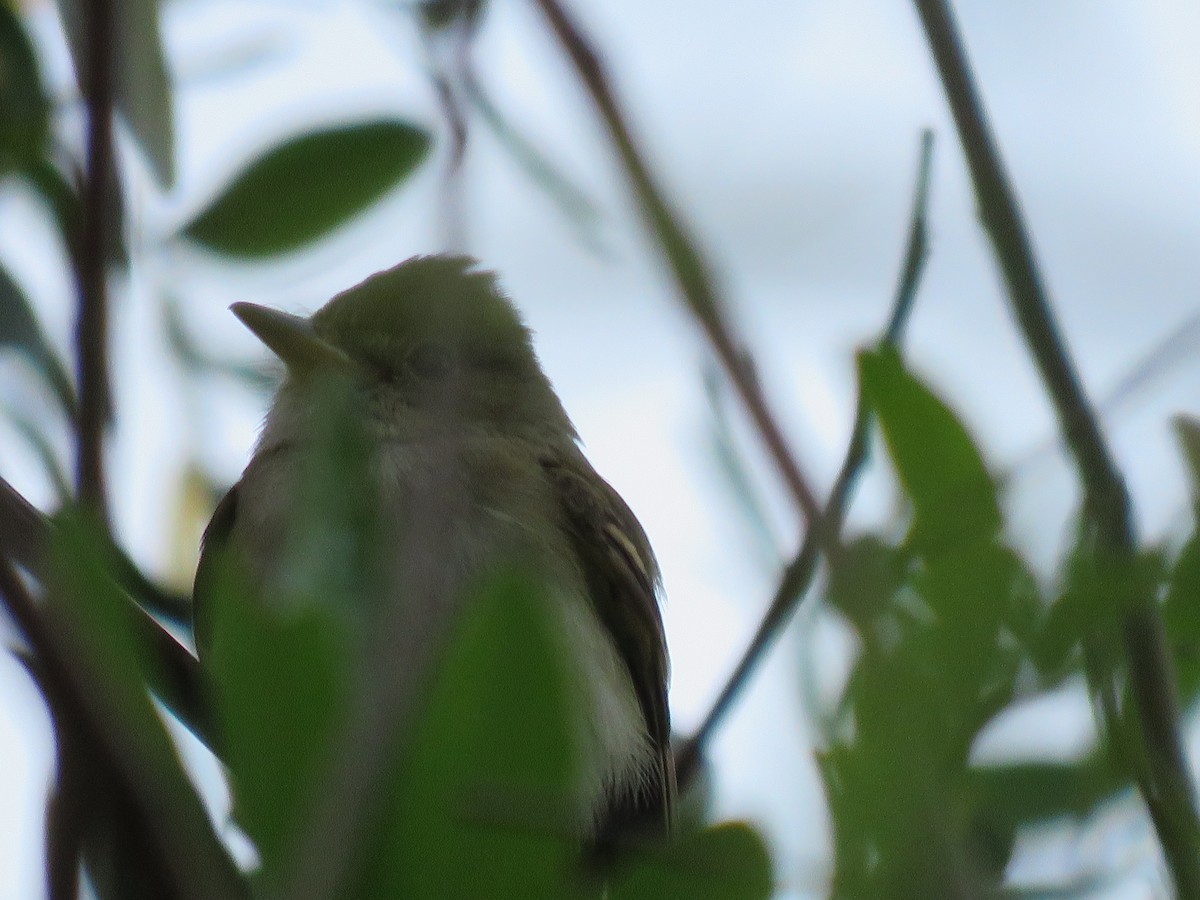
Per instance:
x=430, y=359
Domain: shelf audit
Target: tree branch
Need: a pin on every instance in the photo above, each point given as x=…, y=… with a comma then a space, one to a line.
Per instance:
x=823, y=532
x=25, y=536
x=1164, y=781
x=91, y=329
x=186, y=847
x=688, y=267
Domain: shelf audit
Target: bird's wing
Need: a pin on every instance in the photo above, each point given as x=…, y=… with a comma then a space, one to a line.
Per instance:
x=622, y=578
x=212, y=544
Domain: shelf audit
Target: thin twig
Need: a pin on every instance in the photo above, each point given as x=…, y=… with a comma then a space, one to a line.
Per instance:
x=823, y=532
x=1164, y=781
x=25, y=536
x=687, y=265
x=91, y=330
x=185, y=843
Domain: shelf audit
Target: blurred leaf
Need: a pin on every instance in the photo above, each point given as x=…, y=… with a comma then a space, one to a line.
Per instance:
x=19, y=330
x=728, y=862
x=281, y=642
x=109, y=666
x=280, y=684
x=142, y=85
x=66, y=207
x=954, y=500
x=1098, y=590
x=1187, y=432
x=985, y=606
x=484, y=805
x=1181, y=615
x=1034, y=792
x=24, y=107
x=309, y=186
x=863, y=580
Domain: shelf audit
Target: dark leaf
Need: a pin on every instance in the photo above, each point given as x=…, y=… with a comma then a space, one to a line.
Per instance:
x=1181, y=615
x=1029, y=793
x=1187, y=431
x=24, y=108
x=280, y=684
x=728, y=862
x=484, y=805
x=309, y=186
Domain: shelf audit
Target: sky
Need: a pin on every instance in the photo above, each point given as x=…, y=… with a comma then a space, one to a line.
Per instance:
x=787, y=136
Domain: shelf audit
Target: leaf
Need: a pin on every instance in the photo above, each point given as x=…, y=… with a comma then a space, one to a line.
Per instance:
x=19, y=331
x=309, y=186
x=727, y=862
x=143, y=89
x=1033, y=792
x=280, y=684
x=24, y=107
x=279, y=641
x=484, y=804
x=1181, y=615
x=1187, y=432
x=953, y=497
x=863, y=578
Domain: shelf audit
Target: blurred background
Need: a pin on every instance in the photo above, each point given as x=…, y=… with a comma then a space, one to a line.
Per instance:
x=787, y=136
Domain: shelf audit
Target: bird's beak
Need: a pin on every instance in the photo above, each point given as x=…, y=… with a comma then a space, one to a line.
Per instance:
x=291, y=338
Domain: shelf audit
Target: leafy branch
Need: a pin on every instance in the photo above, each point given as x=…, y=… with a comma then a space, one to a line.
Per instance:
x=1163, y=778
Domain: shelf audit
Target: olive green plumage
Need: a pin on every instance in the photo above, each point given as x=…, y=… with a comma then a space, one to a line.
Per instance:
x=433, y=347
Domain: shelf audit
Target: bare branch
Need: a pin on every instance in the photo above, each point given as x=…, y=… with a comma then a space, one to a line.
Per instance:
x=91, y=329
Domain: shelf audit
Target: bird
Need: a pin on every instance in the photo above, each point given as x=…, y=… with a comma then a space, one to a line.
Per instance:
x=441, y=366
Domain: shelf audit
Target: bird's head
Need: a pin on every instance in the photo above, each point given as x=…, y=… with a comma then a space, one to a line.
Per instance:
x=430, y=336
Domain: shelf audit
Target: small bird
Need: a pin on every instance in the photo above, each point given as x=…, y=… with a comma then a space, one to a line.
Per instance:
x=438, y=357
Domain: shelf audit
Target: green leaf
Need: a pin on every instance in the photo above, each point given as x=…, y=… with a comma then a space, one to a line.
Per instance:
x=863, y=579
x=281, y=640
x=24, y=107
x=1033, y=792
x=19, y=331
x=728, y=862
x=143, y=89
x=1187, y=432
x=484, y=804
x=1181, y=615
x=280, y=685
x=309, y=186
x=953, y=497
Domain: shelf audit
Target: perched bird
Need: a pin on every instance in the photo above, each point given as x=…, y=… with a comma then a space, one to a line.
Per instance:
x=442, y=367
